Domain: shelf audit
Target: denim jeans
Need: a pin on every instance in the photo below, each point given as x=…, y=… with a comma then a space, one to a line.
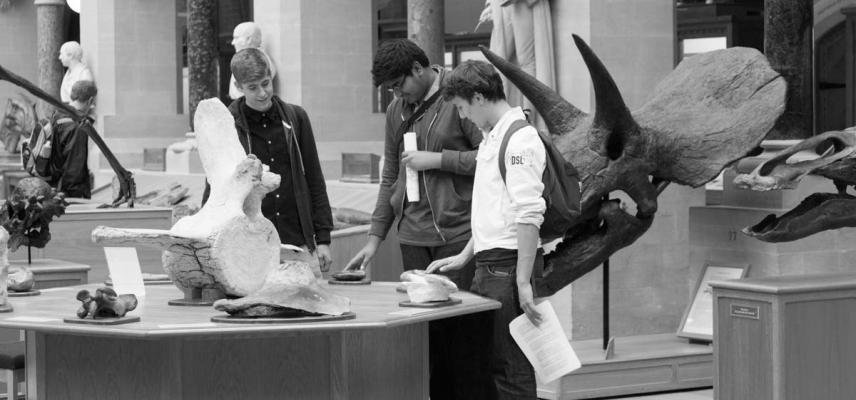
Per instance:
x=457, y=355
x=495, y=278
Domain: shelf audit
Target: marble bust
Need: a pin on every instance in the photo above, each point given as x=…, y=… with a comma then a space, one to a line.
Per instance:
x=71, y=57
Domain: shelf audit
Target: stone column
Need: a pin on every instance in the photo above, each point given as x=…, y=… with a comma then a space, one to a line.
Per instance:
x=49, y=36
x=426, y=27
x=201, y=51
x=850, y=64
x=788, y=44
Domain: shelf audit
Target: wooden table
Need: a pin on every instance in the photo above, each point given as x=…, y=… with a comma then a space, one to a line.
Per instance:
x=48, y=272
x=177, y=353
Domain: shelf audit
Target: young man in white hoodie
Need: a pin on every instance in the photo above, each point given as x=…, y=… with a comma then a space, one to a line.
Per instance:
x=506, y=217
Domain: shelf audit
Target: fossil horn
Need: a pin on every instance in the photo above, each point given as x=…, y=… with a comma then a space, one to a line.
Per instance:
x=560, y=116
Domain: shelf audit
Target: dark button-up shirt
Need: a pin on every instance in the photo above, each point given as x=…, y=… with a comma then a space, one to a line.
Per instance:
x=267, y=142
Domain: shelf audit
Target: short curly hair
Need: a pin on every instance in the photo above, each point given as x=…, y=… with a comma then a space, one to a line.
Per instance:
x=249, y=65
x=83, y=90
x=471, y=77
x=394, y=58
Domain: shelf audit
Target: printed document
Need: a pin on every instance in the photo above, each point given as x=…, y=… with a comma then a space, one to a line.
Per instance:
x=546, y=345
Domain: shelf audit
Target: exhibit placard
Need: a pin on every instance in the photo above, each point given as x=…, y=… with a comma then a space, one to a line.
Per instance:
x=698, y=318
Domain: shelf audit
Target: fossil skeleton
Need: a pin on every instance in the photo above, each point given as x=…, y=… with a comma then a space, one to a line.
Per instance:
x=819, y=211
x=712, y=110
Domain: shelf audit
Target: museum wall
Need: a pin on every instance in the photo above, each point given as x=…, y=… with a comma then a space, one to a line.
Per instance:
x=132, y=49
x=18, y=45
x=827, y=14
x=323, y=54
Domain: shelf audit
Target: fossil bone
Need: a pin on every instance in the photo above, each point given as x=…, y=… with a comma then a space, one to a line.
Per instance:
x=289, y=290
x=707, y=113
x=20, y=279
x=228, y=244
x=819, y=211
x=422, y=287
x=105, y=303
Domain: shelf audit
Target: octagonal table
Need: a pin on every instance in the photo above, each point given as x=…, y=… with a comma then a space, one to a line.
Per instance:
x=178, y=353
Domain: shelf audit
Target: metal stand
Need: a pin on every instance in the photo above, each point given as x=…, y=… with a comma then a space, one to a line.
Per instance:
x=197, y=297
x=608, y=341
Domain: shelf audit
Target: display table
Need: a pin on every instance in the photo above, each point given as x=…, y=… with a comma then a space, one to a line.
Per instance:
x=177, y=353
x=48, y=272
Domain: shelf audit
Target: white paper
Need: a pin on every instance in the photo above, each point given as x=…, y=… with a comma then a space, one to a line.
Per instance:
x=546, y=345
x=125, y=271
x=411, y=174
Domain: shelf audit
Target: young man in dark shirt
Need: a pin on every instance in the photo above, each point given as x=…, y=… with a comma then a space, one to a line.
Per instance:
x=280, y=135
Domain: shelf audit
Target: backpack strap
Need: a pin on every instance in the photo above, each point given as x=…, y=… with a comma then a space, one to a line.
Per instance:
x=289, y=116
x=399, y=133
x=515, y=126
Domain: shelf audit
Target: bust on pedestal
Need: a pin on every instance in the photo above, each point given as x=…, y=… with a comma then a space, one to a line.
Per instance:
x=247, y=35
x=71, y=57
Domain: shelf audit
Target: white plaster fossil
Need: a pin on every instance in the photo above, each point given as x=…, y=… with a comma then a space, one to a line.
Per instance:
x=228, y=248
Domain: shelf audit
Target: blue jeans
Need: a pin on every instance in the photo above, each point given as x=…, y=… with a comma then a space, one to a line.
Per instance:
x=495, y=278
x=456, y=352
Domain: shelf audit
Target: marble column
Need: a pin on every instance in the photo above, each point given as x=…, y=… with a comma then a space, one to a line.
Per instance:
x=426, y=27
x=201, y=51
x=788, y=44
x=49, y=37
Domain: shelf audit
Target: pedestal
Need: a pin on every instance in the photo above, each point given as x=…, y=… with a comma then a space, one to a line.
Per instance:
x=785, y=337
x=640, y=364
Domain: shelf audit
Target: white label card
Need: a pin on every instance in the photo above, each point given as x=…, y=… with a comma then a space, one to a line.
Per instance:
x=125, y=270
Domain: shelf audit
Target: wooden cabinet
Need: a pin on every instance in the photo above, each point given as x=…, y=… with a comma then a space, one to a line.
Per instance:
x=785, y=338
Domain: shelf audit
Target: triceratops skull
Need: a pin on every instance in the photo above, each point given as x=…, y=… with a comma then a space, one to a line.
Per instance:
x=709, y=112
x=820, y=211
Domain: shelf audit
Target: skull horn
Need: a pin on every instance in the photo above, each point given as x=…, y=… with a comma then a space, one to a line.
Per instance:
x=611, y=114
x=560, y=116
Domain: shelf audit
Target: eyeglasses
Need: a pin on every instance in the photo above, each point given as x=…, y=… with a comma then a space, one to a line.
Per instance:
x=395, y=86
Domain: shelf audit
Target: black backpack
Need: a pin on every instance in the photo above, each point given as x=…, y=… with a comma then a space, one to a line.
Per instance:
x=36, y=153
x=561, y=186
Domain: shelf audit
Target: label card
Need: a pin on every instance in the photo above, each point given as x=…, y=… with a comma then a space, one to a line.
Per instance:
x=125, y=270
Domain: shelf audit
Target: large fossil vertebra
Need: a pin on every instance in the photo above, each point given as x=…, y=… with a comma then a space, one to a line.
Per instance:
x=820, y=211
x=712, y=110
x=228, y=246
